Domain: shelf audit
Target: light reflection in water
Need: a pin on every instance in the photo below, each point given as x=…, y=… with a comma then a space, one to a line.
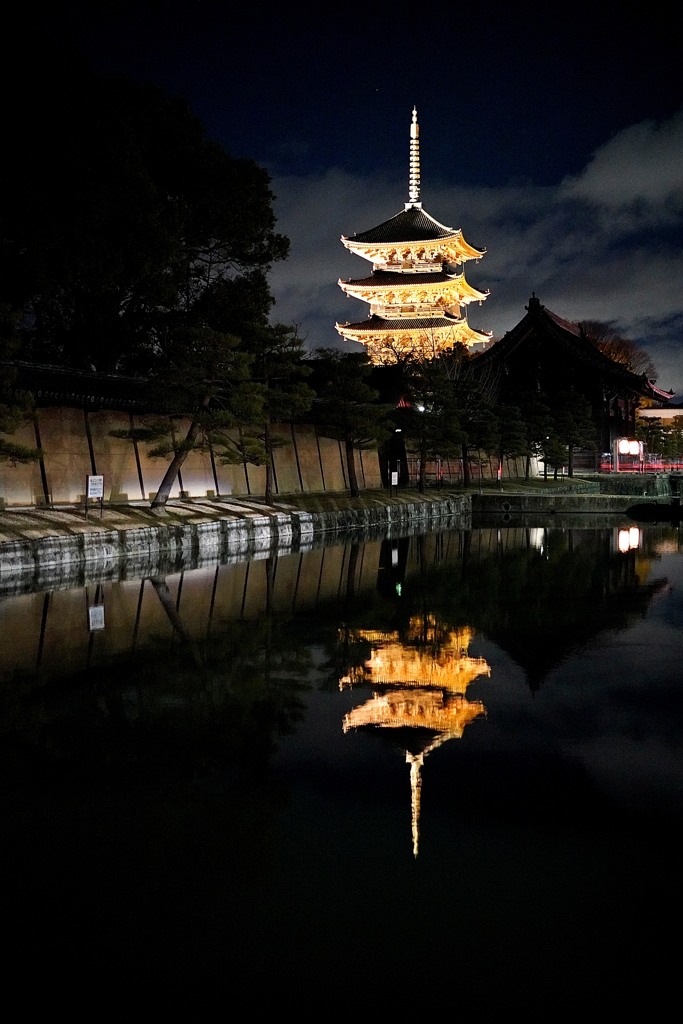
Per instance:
x=420, y=682
x=629, y=540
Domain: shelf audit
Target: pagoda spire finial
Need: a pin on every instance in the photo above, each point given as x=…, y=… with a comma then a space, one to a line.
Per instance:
x=414, y=177
x=415, y=761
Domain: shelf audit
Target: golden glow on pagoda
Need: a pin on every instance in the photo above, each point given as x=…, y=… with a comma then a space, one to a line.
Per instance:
x=416, y=299
x=424, y=255
x=405, y=297
x=421, y=683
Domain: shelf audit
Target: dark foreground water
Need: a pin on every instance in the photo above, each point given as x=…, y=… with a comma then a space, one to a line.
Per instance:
x=447, y=767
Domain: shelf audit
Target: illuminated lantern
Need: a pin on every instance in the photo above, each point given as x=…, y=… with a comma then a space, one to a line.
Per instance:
x=624, y=446
x=634, y=537
x=624, y=541
x=634, y=448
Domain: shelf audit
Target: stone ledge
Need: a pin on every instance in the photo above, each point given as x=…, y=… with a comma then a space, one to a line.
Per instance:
x=33, y=562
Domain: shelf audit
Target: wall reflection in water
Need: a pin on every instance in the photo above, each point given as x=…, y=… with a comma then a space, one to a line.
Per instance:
x=211, y=652
x=419, y=682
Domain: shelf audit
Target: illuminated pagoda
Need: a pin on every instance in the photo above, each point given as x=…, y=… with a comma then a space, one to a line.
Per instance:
x=419, y=688
x=417, y=296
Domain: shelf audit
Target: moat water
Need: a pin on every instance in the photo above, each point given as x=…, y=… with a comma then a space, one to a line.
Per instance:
x=448, y=759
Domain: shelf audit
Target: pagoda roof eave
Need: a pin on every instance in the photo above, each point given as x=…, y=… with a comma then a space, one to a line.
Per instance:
x=384, y=279
x=478, y=336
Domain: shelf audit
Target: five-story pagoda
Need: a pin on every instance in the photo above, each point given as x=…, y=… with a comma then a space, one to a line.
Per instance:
x=415, y=291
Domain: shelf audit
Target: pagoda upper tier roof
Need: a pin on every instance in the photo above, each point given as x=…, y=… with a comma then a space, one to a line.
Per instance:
x=411, y=225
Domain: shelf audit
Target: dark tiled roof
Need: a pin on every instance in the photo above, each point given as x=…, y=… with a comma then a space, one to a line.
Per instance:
x=378, y=323
x=59, y=385
x=569, y=337
x=387, y=277
x=566, y=325
x=413, y=225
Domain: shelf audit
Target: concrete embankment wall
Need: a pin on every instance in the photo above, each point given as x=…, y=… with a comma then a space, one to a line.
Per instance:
x=50, y=561
x=639, y=484
x=77, y=442
x=544, y=503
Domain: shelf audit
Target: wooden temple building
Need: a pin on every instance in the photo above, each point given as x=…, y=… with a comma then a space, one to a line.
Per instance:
x=417, y=296
x=550, y=355
x=419, y=683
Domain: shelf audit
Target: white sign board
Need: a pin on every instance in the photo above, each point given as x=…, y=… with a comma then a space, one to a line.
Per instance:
x=394, y=479
x=96, y=617
x=95, y=488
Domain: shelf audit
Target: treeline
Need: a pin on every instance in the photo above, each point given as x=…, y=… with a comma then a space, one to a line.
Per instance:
x=662, y=437
x=455, y=410
x=132, y=243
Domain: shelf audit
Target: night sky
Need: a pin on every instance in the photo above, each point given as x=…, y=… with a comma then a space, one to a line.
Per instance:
x=551, y=134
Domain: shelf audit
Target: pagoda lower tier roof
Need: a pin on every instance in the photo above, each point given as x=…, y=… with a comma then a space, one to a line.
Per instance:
x=411, y=225
x=406, y=323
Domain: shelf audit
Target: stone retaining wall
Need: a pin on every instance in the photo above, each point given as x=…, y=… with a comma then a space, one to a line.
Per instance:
x=47, y=562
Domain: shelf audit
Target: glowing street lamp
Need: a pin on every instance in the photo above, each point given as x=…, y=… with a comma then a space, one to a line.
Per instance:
x=626, y=446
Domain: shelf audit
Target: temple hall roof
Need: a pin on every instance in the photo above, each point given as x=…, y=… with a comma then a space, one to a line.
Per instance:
x=411, y=225
x=541, y=324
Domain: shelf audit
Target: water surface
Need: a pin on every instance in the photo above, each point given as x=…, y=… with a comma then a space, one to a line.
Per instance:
x=443, y=756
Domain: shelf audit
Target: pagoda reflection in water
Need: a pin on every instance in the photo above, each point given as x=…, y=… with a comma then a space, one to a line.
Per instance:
x=420, y=681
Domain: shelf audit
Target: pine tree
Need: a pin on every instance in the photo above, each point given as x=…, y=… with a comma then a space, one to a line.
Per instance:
x=207, y=377
x=431, y=420
x=14, y=406
x=511, y=439
x=348, y=409
x=474, y=396
x=538, y=425
x=573, y=425
x=277, y=367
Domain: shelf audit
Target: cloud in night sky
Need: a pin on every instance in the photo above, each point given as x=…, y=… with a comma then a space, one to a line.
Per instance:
x=602, y=245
